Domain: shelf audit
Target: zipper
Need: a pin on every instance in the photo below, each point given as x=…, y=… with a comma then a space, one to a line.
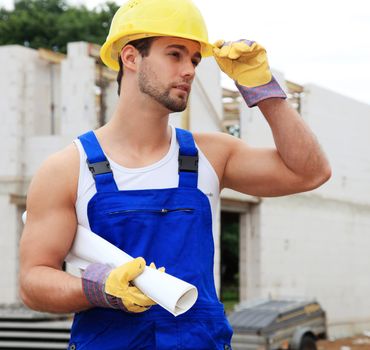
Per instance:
x=154, y=211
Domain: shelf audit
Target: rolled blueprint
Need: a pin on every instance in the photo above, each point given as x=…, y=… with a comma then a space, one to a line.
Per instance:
x=172, y=293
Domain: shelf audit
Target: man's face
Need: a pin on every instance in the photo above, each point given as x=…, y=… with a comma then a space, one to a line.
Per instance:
x=167, y=73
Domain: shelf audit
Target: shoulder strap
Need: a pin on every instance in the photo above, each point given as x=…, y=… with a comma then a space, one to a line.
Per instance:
x=188, y=159
x=98, y=163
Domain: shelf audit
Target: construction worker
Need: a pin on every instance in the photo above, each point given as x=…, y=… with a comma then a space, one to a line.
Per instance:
x=151, y=189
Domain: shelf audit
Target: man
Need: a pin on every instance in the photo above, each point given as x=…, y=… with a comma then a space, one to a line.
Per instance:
x=141, y=184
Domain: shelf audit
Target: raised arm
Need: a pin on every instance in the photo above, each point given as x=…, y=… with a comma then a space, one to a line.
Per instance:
x=297, y=163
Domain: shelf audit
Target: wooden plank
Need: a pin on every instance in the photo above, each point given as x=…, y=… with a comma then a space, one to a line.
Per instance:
x=27, y=345
x=35, y=335
x=51, y=56
x=17, y=199
x=293, y=87
x=30, y=324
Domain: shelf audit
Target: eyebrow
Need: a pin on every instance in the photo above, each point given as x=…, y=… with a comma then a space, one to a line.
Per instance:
x=185, y=49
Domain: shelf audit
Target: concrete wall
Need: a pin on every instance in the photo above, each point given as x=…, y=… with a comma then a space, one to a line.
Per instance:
x=316, y=248
x=342, y=126
x=18, y=110
x=315, y=245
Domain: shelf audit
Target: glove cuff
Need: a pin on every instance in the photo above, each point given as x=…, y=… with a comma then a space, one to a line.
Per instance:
x=253, y=95
x=93, y=283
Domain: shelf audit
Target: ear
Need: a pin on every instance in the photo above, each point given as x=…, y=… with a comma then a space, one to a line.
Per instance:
x=129, y=57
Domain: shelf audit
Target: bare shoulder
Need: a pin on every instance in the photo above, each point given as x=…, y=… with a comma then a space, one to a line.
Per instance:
x=52, y=193
x=51, y=219
x=217, y=147
x=60, y=172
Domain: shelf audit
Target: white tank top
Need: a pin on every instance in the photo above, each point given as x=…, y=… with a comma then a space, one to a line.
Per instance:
x=162, y=174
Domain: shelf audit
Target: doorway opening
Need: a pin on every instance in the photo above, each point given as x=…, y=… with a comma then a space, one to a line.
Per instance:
x=229, y=245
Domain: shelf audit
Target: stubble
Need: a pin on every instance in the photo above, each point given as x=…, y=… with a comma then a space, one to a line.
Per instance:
x=149, y=84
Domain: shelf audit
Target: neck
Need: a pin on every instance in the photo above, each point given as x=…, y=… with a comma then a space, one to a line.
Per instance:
x=138, y=122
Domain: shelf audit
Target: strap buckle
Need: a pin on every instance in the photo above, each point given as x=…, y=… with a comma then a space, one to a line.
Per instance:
x=188, y=163
x=99, y=167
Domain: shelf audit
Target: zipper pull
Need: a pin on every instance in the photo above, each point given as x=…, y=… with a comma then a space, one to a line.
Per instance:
x=164, y=211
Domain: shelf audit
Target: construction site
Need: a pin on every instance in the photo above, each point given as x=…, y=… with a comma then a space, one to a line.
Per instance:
x=311, y=246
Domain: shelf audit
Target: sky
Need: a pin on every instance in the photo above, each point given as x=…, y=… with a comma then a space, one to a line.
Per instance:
x=321, y=42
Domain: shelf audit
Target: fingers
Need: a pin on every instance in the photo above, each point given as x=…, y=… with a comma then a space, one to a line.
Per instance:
x=134, y=308
x=233, y=50
x=137, y=297
x=219, y=43
x=128, y=271
x=134, y=268
x=161, y=269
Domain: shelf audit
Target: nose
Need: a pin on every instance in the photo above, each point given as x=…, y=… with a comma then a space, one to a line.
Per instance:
x=188, y=70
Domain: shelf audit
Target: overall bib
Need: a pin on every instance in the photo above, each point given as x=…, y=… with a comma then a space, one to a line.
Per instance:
x=171, y=227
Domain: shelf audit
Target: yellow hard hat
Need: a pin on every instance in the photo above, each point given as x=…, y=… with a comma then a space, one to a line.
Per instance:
x=138, y=19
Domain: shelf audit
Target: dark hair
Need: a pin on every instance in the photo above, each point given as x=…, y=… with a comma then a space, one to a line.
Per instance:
x=143, y=46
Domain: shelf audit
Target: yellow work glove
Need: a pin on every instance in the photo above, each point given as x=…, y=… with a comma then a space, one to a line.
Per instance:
x=244, y=61
x=161, y=269
x=107, y=287
x=118, y=284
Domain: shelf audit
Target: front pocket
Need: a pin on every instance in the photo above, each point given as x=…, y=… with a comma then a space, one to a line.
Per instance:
x=151, y=211
x=211, y=334
x=107, y=329
x=158, y=234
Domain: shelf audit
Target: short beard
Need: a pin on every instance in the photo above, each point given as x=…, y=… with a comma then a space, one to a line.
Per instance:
x=147, y=84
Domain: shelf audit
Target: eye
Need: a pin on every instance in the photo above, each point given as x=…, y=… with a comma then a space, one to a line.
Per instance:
x=175, y=54
x=195, y=63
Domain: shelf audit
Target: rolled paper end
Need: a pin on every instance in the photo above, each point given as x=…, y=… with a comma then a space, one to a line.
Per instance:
x=186, y=301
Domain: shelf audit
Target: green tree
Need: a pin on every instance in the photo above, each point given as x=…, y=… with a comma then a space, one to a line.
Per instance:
x=53, y=23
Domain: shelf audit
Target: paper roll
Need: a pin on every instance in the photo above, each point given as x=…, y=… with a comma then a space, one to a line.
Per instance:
x=173, y=294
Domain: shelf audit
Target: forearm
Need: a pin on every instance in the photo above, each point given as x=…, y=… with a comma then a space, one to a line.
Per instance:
x=295, y=142
x=51, y=290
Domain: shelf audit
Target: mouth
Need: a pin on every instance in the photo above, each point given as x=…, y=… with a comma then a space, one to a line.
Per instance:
x=184, y=87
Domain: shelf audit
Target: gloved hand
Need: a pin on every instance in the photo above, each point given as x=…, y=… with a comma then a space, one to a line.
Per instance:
x=161, y=269
x=105, y=286
x=246, y=63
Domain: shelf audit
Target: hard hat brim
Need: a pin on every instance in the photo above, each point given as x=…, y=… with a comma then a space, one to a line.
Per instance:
x=107, y=49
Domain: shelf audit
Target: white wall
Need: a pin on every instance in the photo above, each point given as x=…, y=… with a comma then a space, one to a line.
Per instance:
x=78, y=91
x=342, y=126
x=315, y=245
x=316, y=248
x=8, y=251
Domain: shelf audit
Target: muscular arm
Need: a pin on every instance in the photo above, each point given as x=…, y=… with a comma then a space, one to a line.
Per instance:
x=48, y=236
x=296, y=165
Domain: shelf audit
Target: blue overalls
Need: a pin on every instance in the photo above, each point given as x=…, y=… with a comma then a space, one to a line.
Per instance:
x=173, y=228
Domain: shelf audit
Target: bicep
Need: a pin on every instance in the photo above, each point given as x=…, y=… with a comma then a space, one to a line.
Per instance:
x=51, y=220
x=258, y=172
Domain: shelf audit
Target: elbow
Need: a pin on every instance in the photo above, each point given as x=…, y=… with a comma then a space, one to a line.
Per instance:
x=324, y=174
x=327, y=173
x=319, y=178
x=25, y=295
